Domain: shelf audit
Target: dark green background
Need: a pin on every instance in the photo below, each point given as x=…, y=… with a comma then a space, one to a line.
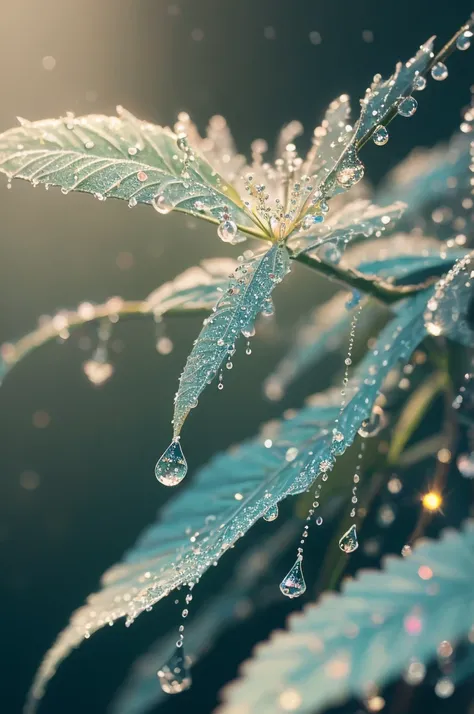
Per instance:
x=95, y=459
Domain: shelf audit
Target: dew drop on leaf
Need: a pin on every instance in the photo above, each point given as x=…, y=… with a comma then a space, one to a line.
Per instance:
x=161, y=205
x=439, y=71
x=171, y=467
x=175, y=676
x=373, y=426
x=338, y=445
x=380, y=135
x=407, y=107
x=419, y=83
x=271, y=514
x=348, y=543
x=351, y=172
x=464, y=41
x=293, y=584
x=227, y=230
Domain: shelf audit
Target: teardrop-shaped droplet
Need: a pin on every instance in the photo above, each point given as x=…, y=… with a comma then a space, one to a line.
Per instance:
x=171, y=467
x=175, y=676
x=407, y=107
x=374, y=425
x=380, y=135
x=161, y=204
x=439, y=71
x=227, y=230
x=293, y=584
x=348, y=542
x=271, y=514
x=98, y=371
x=464, y=41
x=351, y=171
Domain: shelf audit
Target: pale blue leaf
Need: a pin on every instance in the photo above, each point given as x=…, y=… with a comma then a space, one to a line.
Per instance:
x=141, y=691
x=118, y=157
x=248, y=293
x=231, y=493
x=358, y=219
x=365, y=636
x=329, y=140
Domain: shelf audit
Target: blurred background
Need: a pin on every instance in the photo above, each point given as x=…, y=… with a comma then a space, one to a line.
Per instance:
x=76, y=461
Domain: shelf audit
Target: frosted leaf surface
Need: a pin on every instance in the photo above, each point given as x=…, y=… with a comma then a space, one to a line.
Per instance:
x=334, y=649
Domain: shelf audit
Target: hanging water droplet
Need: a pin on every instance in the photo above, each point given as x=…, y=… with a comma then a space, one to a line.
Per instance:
x=351, y=171
x=268, y=308
x=98, y=371
x=271, y=514
x=465, y=464
x=227, y=230
x=132, y=202
x=419, y=83
x=293, y=584
x=439, y=71
x=171, y=467
x=248, y=331
x=175, y=676
x=380, y=135
x=348, y=542
x=161, y=204
x=373, y=426
x=464, y=41
x=407, y=107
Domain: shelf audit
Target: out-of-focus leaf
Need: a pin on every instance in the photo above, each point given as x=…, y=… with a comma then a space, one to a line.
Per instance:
x=118, y=157
x=231, y=493
x=248, y=293
x=348, y=643
x=141, y=691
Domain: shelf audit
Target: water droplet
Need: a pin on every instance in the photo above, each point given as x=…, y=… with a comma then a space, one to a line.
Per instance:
x=348, y=542
x=142, y=176
x=380, y=135
x=271, y=514
x=97, y=372
x=293, y=584
x=132, y=202
x=161, y=205
x=439, y=71
x=175, y=676
x=407, y=107
x=331, y=253
x=338, y=445
x=373, y=426
x=444, y=688
x=227, y=230
x=419, y=83
x=465, y=464
x=464, y=41
x=351, y=171
x=171, y=467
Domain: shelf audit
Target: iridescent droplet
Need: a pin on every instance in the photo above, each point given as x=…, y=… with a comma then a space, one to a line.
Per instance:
x=293, y=584
x=464, y=41
x=380, y=135
x=227, y=230
x=171, y=467
x=175, y=676
x=373, y=426
x=419, y=83
x=271, y=514
x=161, y=204
x=348, y=542
x=407, y=107
x=439, y=71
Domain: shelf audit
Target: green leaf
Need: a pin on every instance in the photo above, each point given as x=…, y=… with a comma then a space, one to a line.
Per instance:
x=231, y=493
x=196, y=289
x=118, y=157
x=367, y=635
x=248, y=293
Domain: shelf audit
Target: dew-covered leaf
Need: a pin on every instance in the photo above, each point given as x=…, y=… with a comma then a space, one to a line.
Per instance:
x=231, y=493
x=196, y=289
x=358, y=219
x=248, y=293
x=237, y=599
x=366, y=636
x=118, y=157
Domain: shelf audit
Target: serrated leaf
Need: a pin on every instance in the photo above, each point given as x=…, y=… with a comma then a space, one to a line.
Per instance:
x=236, y=599
x=230, y=494
x=248, y=292
x=358, y=219
x=198, y=288
x=367, y=635
x=117, y=157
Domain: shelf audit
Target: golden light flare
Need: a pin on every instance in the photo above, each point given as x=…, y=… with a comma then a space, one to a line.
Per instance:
x=432, y=501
